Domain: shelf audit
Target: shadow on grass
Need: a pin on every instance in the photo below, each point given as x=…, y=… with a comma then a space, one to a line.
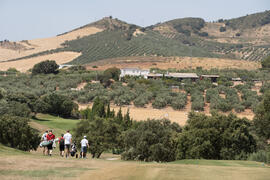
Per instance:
x=37, y=119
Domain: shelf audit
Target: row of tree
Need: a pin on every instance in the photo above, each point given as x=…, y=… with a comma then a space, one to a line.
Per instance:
x=210, y=137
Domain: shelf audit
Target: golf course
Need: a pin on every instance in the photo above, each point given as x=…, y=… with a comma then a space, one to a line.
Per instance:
x=16, y=164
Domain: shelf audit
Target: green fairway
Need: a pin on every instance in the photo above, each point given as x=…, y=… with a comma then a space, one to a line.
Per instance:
x=219, y=163
x=57, y=124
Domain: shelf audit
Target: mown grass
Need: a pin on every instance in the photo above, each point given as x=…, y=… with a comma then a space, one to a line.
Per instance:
x=58, y=124
x=219, y=163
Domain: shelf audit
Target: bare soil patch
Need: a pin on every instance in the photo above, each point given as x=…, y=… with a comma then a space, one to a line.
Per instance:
x=178, y=116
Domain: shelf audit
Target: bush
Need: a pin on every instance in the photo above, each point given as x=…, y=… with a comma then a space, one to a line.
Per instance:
x=211, y=93
x=159, y=102
x=15, y=132
x=197, y=100
x=239, y=108
x=197, y=105
x=140, y=101
x=260, y=156
x=45, y=67
x=77, y=68
x=179, y=102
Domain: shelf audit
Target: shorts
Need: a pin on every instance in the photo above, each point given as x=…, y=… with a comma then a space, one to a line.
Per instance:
x=84, y=149
x=67, y=146
x=49, y=146
x=61, y=147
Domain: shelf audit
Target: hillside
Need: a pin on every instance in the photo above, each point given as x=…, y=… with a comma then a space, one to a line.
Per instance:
x=244, y=38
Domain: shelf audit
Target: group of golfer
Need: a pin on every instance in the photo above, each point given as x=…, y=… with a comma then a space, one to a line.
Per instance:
x=66, y=146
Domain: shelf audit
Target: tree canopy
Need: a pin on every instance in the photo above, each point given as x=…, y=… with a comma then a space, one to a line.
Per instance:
x=215, y=137
x=262, y=117
x=45, y=67
x=15, y=132
x=266, y=62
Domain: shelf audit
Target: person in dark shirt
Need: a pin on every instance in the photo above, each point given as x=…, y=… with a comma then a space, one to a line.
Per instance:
x=61, y=145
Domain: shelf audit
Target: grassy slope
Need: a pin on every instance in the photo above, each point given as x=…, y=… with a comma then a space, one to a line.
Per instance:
x=57, y=124
x=6, y=151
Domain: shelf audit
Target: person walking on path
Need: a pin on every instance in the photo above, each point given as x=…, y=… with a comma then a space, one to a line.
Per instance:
x=68, y=140
x=84, y=146
x=61, y=145
x=44, y=138
x=50, y=137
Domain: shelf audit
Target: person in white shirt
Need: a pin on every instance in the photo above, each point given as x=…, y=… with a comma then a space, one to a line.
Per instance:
x=44, y=138
x=84, y=146
x=68, y=140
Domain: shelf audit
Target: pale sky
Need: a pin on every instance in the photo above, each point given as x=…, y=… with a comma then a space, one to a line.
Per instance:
x=30, y=19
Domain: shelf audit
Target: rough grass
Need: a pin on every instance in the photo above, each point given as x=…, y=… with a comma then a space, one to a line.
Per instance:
x=5, y=151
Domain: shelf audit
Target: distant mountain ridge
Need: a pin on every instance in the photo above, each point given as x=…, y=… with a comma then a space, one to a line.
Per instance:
x=246, y=37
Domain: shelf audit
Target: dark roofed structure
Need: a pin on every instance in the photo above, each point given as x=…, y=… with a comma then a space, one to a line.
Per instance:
x=212, y=77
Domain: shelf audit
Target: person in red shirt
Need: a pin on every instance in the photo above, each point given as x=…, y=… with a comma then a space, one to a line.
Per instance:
x=50, y=137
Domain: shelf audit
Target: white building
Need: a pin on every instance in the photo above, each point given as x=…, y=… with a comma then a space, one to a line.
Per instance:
x=62, y=66
x=134, y=72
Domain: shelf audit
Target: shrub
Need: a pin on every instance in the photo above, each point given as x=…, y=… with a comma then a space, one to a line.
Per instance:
x=260, y=156
x=77, y=68
x=197, y=100
x=140, y=101
x=159, y=102
x=239, y=108
x=15, y=132
x=211, y=93
x=179, y=102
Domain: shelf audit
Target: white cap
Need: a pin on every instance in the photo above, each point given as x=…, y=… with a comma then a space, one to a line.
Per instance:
x=84, y=136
